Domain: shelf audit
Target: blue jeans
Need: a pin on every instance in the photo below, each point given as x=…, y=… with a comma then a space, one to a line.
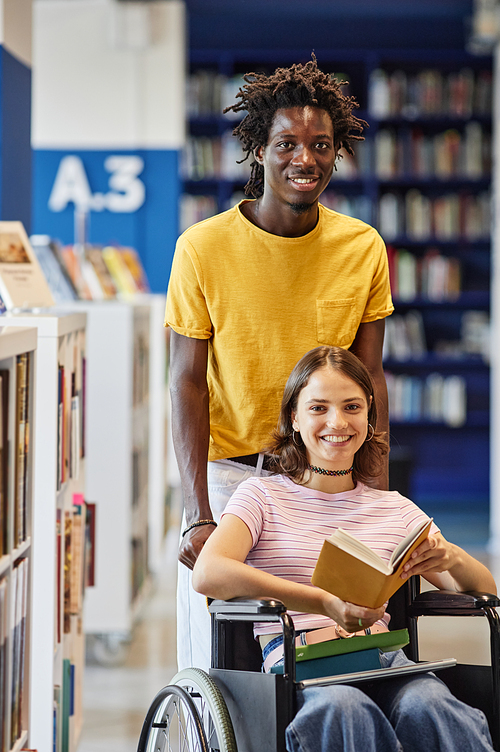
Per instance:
x=414, y=714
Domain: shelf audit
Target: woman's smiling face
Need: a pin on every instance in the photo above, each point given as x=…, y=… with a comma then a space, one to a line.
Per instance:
x=332, y=418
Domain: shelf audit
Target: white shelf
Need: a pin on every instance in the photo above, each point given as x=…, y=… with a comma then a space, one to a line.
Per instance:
x=60, y=342
x=15, y=341
x=125, y=339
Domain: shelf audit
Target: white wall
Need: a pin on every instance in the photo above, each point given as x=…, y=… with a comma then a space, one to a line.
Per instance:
x=15, y=28
x=108, y=74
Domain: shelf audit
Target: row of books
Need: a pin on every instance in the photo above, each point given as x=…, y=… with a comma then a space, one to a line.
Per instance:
x=70, y=434
x=358, y=206
x=21, y=454
x=139, y=564
x=4, y=462
x=90, y=272
x=429, y=93
x=75, y=555
x=139, y=473
x=437, y=398
x=445, y=156
x=140, y=377
x=447, y=217
x=391, y=154
x=390, y=94
x=433, y=276
x=64, y=707
x=214, y=158
x=13, y=639
x=22, y=447
x=194, y=209
x=209, y=92
x=405, y=338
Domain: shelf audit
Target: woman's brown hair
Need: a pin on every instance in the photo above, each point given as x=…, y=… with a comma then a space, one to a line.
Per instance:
x=288, y=451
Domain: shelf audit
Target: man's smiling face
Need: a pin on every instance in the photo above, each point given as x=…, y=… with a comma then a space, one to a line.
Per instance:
x=299, y=157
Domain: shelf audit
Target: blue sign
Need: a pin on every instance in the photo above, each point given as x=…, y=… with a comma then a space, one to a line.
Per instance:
x=131, y=198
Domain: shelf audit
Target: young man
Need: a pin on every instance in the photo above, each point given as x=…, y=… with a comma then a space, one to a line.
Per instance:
x=252, y=290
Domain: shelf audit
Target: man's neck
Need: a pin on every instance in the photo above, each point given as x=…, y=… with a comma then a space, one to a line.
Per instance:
x=289, y=222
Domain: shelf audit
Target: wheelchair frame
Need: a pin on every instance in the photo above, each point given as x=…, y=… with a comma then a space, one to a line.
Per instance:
x=249, y=694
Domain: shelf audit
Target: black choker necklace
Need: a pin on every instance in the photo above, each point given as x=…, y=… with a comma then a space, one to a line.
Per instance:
x=322, y=471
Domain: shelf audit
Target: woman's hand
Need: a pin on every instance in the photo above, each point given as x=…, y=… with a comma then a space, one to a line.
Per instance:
x=435, y=554
x=448, y=566
x=350, y=617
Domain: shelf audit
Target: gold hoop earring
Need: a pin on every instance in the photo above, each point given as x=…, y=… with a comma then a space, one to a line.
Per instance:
x=293, y=438
x=373, y=432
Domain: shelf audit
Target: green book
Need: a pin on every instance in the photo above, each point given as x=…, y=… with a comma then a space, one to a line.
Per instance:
x=66, y=704
x=384, y=641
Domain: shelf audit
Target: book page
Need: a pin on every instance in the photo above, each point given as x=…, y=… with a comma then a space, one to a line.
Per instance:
x=351, y=545
x=406, y=543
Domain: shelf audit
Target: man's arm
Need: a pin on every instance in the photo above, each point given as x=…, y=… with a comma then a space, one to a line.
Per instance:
x=368, y=347
x=191, y=433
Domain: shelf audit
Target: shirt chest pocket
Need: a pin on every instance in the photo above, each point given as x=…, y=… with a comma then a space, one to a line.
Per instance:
x=336, y=321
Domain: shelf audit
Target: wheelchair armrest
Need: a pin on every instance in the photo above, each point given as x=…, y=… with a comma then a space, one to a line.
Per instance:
x=247, y=609
x=452, y=603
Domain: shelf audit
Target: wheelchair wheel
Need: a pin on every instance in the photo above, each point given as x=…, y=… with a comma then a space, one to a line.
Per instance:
x=189, y=715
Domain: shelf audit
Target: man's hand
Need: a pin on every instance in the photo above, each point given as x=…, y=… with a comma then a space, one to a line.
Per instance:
x=192, y=543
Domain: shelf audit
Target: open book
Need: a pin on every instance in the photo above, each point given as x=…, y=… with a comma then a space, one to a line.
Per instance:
x=350, y=570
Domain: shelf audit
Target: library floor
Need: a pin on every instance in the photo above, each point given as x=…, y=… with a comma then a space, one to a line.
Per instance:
x=116, y=699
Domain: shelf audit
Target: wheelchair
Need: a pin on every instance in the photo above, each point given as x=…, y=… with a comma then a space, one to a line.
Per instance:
x=237, y=708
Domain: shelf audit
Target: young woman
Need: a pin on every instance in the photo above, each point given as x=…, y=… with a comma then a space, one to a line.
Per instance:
x=326, y=448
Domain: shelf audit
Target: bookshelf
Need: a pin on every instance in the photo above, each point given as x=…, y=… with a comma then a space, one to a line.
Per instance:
x=125, y=462
x=423, y=178
x=59, y=527
x=17, y=385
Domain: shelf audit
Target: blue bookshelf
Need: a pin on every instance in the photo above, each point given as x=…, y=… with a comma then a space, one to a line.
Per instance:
x=443, y=462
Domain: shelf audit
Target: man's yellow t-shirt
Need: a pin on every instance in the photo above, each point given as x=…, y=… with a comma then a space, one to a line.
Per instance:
x=263, y=301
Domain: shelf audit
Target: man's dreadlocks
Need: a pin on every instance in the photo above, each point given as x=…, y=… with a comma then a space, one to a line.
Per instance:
x=297, y=86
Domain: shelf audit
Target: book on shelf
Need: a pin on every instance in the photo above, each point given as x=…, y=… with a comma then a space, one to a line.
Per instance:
x=355, y=573
x=65, y=704
x=4, y=460
x=405, y=337
x=19, y=585
x=448, y=217
x=430, y=92
x=71, y=258
x=4, y=634
x=437, y=398
x=119, y=271
x=57, y=720
x=77, y=568
x=58, y=280
x=22, y=282
x=61, y=427
x=75, y=437
x=108, y=288
x=59, y=578
x=136, y=268
x=22, y=446
x=66, y=583
x=448, y=155
x=90, y=528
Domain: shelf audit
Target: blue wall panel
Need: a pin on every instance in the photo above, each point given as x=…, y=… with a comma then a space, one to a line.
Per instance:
x=15, y=139
x=151, y=228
